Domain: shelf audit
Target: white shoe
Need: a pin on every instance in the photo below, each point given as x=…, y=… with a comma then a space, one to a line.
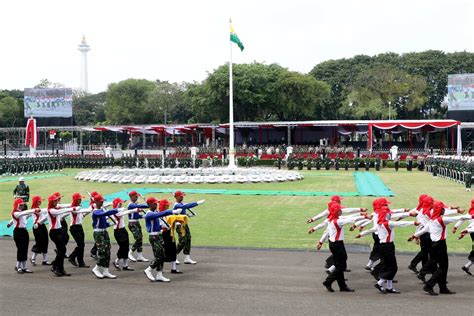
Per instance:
x=177, y=261
x=188, y=260
x=149, y=274
x=107, y=274
x=96, y=271
x=141, y=258
x=131, y=257
x=161, y=278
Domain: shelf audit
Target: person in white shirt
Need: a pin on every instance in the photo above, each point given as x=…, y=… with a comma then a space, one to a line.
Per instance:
x=335, y=234
x=20, y=234
x=40, y=232
x=388, y=262
x=121, y=235
x=439, y=253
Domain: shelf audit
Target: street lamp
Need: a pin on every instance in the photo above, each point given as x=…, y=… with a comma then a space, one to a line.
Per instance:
x=389, y=110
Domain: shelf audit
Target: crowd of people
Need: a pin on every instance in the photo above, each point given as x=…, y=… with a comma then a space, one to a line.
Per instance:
x=167, y=227
x=432, y=219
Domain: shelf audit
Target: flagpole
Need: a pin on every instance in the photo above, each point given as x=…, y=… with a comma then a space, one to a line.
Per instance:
x=231, y=111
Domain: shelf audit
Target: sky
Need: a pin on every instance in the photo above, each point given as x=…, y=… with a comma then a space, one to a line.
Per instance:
x=183, y=40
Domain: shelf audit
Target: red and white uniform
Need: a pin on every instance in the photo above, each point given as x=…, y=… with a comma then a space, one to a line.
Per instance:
x=437, y=228
x=386, y=230
x=19, y=218
x=41, y=217
x=56, y=214
x=335, y=230
x=120, y=217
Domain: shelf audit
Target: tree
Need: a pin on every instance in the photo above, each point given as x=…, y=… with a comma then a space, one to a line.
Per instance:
x=381, y=88
x=167, y=100
x=89, y=109
x=11, y=113
x=45, y=83
x=298, y=96
x=127, y=101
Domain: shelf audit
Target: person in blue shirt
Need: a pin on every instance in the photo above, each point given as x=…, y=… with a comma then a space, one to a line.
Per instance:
x=184, y=242
x=101, y=237
x=136, y=228
x=152, y=220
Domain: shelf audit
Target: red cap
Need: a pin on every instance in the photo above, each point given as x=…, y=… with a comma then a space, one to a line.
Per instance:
x=17, y=203
x=93, y=193
x=164, y=204
x=133, y=193
x=336, y=198
x=116, y=202
x=58, y=194
x=438, y=207
x=421, y=198
x=151, y=200
x=98, y=198
x=35, y=201
x=384, y=201
x=53, y=197
x=427, y=205
x=179, y=193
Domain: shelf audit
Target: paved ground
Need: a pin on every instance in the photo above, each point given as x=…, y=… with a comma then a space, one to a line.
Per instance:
x=226, y=282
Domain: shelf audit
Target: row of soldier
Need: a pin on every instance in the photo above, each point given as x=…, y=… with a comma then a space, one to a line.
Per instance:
x=163, y=224
x=455, y=168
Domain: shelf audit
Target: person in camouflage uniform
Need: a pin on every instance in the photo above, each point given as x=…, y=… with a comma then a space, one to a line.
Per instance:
x=22, y=190
x=101, y=238
x=152, y=219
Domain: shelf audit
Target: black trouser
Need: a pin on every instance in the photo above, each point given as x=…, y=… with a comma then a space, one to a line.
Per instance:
x=21, y=238
x=94, y=250
x=77, y=233
x=423, y=255
x=426, y=248
x=471, y=254
x=56, y=236
x=329, y=262
x=170, y=246
x=64, y=232
x=41, y=239
x=121, y=236
x=375, y=253
x=388, y=262
x=340, y=262
x=439, y=257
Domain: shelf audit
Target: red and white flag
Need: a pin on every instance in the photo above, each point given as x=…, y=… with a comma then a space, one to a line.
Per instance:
x=31, y=136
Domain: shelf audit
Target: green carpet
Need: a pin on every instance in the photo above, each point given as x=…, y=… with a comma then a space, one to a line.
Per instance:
x=370, y=184
x=37, y=176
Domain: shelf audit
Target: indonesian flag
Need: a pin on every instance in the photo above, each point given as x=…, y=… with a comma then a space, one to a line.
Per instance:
x=31, y=137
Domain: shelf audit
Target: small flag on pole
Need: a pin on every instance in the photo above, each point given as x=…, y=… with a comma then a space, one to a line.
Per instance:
x=234, y=38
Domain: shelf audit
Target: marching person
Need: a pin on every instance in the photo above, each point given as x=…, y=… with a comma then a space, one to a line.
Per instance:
x=335, y=234
x=64, y=227
x=425, y=203
x=77, y=232
x=55, y=233
x=22, y=190
x=20, y=234
x=388, y=262
x=40, y=232
x=184, y=240
x=152, y=219
x=438, y=254
x=121, y=235
x=136, y=228
x=101, y=238
x=470, y=218
x=168, y=234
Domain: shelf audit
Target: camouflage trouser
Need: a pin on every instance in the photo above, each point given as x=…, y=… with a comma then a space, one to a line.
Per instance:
x=157, y=244
x=102, y=241
x=184, y=240
x=136, y=230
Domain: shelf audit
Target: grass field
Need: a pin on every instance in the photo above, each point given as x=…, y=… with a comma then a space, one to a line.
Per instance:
x=270, y=221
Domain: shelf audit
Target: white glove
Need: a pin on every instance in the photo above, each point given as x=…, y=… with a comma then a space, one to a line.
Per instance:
x=177, y=211
x=200, y=202
x=35, y=226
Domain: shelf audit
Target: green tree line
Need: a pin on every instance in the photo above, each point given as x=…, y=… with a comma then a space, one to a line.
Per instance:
x=409, y=86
